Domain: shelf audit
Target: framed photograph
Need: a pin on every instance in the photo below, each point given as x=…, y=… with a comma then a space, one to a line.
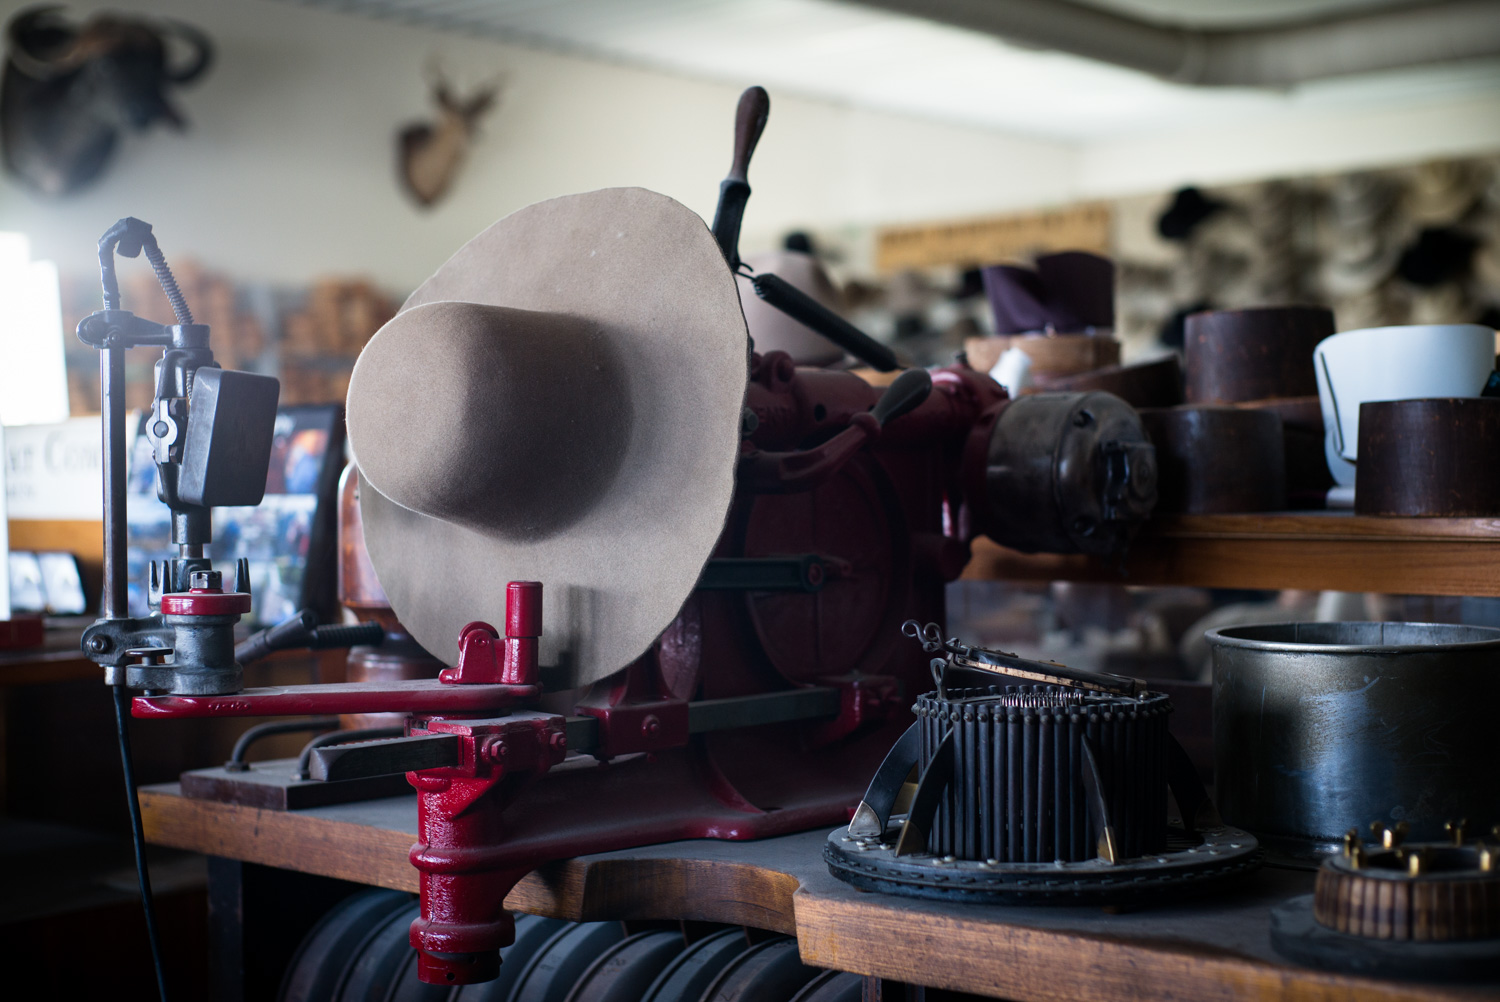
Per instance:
x=63, y=582
x=28, y=592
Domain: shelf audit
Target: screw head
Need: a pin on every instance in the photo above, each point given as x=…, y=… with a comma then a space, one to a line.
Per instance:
x=651, y=727
x=206, y=581
x=98, y=645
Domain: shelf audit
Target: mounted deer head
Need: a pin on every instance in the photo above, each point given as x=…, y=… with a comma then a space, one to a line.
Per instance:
x=69, y=90
x=432, y=152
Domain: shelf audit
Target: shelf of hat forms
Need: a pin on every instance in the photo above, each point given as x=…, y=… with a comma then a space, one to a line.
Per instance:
x=1314, y=550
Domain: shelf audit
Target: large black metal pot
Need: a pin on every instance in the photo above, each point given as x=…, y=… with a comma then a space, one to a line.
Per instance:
x=1320, y=727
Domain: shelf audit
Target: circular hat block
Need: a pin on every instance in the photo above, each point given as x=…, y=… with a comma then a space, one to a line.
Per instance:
x=1213, y=460
x=560, y=403
x=1253, y=354
x=1434, y=457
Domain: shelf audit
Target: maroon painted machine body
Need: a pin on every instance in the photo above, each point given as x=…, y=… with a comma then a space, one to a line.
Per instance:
x=672, y=747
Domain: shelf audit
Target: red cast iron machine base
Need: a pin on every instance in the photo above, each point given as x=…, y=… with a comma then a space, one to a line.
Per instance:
x=760, y=711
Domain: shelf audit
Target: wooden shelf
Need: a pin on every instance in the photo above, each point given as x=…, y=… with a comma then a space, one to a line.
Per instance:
x=1337, y=551
x=1215, y=948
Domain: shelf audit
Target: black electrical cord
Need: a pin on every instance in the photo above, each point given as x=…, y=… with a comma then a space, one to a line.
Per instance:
x=138, y=837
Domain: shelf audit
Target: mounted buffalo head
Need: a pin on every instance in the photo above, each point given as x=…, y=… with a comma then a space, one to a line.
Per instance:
x=68, y=90
x=431, y=152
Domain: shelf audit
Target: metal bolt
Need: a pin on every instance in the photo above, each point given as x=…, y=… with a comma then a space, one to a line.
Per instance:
x=651, y=727
x=493, y=749
x=206, y=581
x=98, y=644
x=1351, y=843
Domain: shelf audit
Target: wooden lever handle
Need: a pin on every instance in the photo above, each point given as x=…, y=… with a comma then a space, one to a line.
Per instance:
x=749, y=123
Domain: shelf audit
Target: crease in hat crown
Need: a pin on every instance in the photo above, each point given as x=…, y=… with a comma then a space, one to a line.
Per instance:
x=509, y=421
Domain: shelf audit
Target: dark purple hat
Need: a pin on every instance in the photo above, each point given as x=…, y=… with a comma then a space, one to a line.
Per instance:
x=1066, y=293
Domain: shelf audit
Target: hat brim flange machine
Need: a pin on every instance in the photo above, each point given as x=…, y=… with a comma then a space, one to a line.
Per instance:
x=780, y=524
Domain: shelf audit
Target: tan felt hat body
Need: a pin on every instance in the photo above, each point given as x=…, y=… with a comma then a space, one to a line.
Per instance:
x=560, y=403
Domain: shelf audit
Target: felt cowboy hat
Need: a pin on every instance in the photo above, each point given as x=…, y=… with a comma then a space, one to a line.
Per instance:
x=561, y=403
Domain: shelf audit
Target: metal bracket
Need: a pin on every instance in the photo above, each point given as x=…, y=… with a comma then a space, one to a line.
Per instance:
x=806, y=572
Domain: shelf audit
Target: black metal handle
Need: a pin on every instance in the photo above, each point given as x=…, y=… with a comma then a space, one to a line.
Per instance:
x=903, y=396
x=354, y=635
x=302, y=630
x=361, y=758
x=237, y=761
x=288, y=633
x=805, y=573
x=803, y=308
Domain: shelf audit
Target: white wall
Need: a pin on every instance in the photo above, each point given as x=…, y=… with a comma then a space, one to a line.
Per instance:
x=288, y=170
x=1291, y=144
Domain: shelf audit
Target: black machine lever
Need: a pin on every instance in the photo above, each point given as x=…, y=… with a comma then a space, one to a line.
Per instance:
x=805, y=573
x=801, y=307
x=383, y=758
x=734, y=190
x=734, y=193
x=302, y=630
x=905, y=394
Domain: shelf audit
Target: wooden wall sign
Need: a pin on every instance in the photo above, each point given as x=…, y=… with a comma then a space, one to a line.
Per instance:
x=993, y=239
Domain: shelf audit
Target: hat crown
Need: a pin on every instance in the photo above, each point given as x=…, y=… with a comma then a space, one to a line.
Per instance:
x=512, y=422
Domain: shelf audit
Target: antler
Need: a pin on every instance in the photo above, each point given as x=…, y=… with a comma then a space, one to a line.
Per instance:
x=203, y=51
x=22, y=42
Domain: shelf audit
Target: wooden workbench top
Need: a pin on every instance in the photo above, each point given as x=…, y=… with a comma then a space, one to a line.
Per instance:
x=1209, y=950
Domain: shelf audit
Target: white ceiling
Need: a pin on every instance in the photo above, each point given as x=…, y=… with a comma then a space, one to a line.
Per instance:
x=1237, y=13
x=853, y=55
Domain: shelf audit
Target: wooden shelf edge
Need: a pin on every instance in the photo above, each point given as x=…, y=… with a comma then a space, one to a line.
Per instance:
x=1051, y=965
x=1321, y=525
x=579, y=890
x=783, y=885
x=1437, y=566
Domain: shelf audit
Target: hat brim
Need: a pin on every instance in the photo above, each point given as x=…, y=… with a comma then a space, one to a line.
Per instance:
x=646, y=270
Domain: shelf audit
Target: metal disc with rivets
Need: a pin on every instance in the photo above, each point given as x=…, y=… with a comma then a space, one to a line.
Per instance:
x=1190, y=863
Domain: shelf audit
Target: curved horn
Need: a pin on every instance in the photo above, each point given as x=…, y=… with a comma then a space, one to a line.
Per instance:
x=40, y=19
x=203, y=54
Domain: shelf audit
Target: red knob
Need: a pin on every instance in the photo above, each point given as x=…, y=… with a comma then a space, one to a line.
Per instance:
x=523, y=609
